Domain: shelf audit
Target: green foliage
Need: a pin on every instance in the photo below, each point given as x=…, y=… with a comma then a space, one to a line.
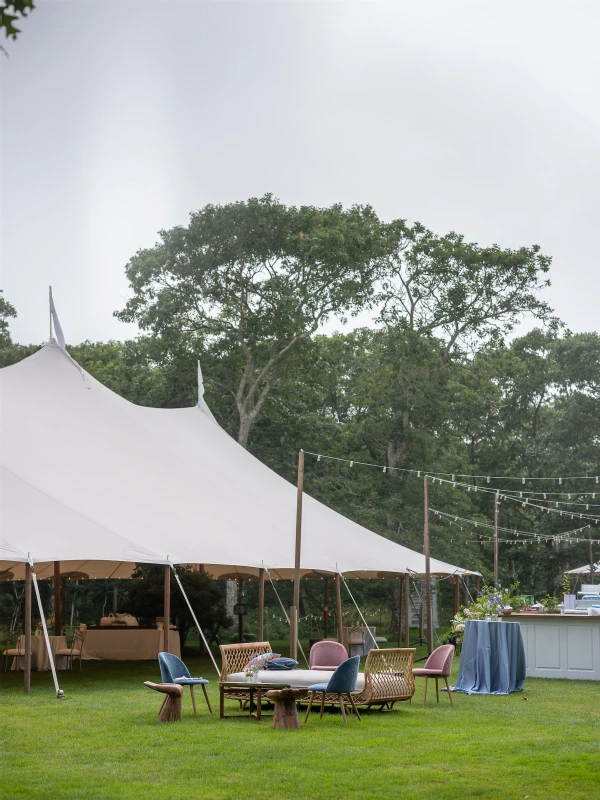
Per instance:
x=11, y=13
x=146, y=599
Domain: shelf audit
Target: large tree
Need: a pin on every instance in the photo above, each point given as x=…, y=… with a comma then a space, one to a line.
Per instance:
x=255, y=279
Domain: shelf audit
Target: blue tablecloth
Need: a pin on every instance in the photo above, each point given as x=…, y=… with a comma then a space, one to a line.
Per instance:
x=492, y=660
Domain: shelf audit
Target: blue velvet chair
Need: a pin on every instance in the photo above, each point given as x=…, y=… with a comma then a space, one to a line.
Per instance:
x=342, y=682
x=173, y=670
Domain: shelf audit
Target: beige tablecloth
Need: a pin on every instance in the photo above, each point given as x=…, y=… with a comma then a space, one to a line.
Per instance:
x=40, y=660
x=132, y=644
x=359, y=648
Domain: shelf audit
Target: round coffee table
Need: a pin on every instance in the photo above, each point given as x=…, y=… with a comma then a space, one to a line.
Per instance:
x=286, y=713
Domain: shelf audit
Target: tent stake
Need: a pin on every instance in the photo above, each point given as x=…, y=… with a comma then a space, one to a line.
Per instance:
x=296, y=601
x=167, y=608
x=427, y=568
x=27, y=673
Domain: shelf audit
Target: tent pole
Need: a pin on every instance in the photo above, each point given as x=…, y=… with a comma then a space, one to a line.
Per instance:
x=326, y=608
x=261, y=603
x=496, y=540
x=200, y=631
x=57, y=630
x=240, y=599
x=59, y=692
x=27, y=674
x=427, y=567
x=338, y=606
x=591, y=559
x=296, y=601
x=167, y=608
x=400, y=607
x=456, y=596
x=407, y=610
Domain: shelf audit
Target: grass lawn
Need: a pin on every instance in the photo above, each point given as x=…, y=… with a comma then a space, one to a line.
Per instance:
x=104, y=742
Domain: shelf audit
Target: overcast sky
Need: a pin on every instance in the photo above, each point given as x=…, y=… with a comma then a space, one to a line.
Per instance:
x=119, y=118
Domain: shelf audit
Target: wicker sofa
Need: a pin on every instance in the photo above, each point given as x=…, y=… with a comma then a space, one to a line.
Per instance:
x=387, y=676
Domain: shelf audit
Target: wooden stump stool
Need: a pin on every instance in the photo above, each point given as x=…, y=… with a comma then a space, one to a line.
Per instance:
x=286, y=713
x=170, y=711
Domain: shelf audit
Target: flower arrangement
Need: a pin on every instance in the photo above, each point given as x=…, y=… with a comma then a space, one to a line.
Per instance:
x=251, y=671
x=490, y=602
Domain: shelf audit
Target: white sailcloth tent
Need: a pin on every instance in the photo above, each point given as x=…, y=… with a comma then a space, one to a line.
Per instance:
x=97, y=483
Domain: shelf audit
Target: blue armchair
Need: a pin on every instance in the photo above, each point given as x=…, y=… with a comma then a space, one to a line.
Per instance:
x=342, y=682
x=173, y=670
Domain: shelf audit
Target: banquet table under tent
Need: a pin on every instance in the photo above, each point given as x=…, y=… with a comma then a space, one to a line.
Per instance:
x=91, y=484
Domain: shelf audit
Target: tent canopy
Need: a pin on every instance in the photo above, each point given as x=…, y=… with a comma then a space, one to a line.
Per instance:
x=98, y=483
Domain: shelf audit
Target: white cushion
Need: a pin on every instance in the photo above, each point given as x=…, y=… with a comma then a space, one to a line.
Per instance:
x=300, y=678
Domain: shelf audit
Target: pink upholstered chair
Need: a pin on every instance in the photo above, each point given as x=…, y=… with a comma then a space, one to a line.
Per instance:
x=438, y=665
x=327, y=655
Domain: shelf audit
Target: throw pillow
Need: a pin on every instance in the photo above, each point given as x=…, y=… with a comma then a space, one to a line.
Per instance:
x=281, y=663
x=259, y=660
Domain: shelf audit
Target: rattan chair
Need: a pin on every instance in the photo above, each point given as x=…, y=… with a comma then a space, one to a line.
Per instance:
x=234, y=659
x=388, y=679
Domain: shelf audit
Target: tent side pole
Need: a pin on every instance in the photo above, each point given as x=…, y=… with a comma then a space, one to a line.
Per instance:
x=57, y=630
x=407, y=610
x=167, y=608
x=59, y=691
x=27, y=673
x=427, y=568
x=326, y=609
x=296, y=602
x=338, y=606
x=261, y=604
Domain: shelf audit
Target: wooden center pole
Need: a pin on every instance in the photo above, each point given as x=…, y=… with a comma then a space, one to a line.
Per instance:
x=338, y=606
x=326, y=614
x=400, y=607
x=27, y=673
x=167, y=608
x=407, y=610
x=57, y=630
x=496, y=540
x=261, y=603
x=240, y=599
x=427, y=568
x=296, y=601
x=456, y=597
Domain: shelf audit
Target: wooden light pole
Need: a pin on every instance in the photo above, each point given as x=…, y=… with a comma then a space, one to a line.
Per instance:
x=27, y=674
x=166, y=608
x=296, y=602
x=261, y=603
x=496, y=540
x=57, y=629
x=240, y=599
x=427, y=568
x=591, y=559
